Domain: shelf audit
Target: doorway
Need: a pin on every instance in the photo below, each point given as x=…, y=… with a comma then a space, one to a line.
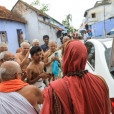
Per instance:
x=19, y=31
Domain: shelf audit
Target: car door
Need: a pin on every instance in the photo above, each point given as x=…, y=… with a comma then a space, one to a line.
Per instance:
x=111, y=64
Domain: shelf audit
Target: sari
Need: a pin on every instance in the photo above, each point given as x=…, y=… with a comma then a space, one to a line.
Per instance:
x=78, y=92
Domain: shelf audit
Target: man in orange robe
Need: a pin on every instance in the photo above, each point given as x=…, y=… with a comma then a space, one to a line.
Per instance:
x=16, y=96
x=79, y=92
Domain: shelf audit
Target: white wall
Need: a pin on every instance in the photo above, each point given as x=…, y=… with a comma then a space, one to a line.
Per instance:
x=32, y=23
x=109, y=12
x=46, y=30
x=11, y=27
x=35, y=29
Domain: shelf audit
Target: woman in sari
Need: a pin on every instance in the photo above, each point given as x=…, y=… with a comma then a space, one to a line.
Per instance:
x=78, y=92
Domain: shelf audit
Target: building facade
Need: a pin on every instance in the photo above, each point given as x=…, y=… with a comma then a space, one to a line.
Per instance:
x=100, y=18
x=10, y=27
x=38, y=23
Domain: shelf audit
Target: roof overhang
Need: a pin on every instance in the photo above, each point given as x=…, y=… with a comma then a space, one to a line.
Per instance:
x=51, y=25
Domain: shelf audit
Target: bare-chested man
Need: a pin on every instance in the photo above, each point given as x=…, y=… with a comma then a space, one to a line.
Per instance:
x=35, y=42
x=19, y=49
x=22, y=57
x=6, y=56
x=17, y=97
x=35, y=68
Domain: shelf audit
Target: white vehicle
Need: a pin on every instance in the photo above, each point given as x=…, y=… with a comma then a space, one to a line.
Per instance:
x=111, y=32
x=101, y=60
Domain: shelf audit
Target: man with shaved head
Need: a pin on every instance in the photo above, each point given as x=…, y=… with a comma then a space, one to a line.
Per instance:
x=22, y=57
x=6, y=56
x=35, y=42
x=16, y=96
x=53, y=54
x=65, y=39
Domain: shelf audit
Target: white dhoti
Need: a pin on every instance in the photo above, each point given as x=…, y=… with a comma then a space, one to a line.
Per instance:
x=41, y=86
x=14, y=103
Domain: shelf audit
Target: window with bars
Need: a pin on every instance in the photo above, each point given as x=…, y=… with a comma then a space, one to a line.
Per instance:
x=93, y=15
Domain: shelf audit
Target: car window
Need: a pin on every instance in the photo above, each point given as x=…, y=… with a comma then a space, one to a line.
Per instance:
x=112, y=32
x=91, y=53
x=107, y=56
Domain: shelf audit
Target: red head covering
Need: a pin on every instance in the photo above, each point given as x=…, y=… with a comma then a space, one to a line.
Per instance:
x=74, y=58
x=74, y=95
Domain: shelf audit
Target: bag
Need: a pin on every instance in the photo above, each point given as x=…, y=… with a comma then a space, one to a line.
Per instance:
x=55, y=68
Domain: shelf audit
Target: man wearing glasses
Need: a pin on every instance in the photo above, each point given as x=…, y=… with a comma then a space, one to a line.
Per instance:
x=8, y=56
x=17, y=96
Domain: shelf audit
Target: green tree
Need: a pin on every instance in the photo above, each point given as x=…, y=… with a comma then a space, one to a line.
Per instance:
x=69, y=18
x=42, y=7
x=67, y=23
x=36, y=2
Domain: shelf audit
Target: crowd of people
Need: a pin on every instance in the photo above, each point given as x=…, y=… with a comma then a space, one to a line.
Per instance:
x=47, y=79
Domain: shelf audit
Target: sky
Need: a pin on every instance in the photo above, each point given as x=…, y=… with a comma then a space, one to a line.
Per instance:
x=60, y=8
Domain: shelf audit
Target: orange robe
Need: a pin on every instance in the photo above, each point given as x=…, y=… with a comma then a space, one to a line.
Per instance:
x=81, y=93
x=87, y=95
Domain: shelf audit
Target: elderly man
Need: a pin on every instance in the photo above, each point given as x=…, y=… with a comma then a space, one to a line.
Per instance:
x=35, y=42
x=6, y=56
x=16, y=96
x=3, y=47
x=19, y=49
x=52, y=55
x=65, y=39
x=22, y=57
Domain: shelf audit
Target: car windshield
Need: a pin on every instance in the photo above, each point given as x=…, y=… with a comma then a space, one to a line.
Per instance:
x=107, y=55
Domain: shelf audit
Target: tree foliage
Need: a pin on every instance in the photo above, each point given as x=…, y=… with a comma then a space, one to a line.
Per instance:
x=42, y=7
x=67, y=23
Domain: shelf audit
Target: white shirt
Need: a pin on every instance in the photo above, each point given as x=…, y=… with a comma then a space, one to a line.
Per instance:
x=85, y=36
